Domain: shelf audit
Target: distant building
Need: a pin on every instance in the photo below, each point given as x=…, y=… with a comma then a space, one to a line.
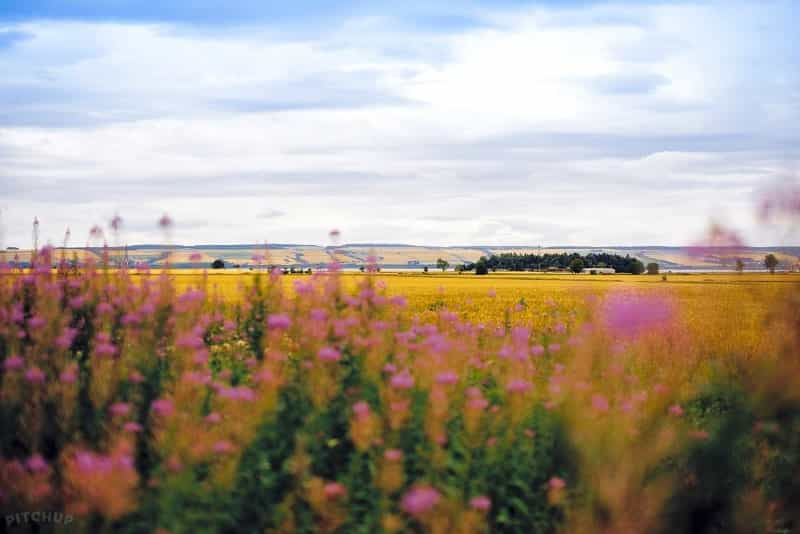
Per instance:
x=598, y=270
x=413, y=262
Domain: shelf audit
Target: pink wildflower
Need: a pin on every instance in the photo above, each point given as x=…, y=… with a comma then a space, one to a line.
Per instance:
x=120, y=409
x=132, y=427
x=278, y=321
x=420, y=500
x=163, y=407
x=334, y=490
x=402, y=380
x=518, y=386
x=393, y=455
x=36, y=464
x=329, y=354
x=13, y=363
x=34, y=375
x=482, y=503
x=600, y=403
x=447, y=378
x=631, y=315
x=361, y=409
x=223, y=447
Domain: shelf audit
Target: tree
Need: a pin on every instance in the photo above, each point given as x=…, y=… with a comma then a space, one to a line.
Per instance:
x=636, y=267
x=442, y=264
x=576, y=265
x=739, y=265
x=218, y=264
x=481, y=267
x=425, y=269
x=652, y=268
x=770, y=262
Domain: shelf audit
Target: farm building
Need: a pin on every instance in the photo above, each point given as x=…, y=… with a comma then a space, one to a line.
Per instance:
x=598, y=270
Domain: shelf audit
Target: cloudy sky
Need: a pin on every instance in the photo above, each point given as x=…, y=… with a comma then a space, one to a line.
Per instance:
x=460, y=122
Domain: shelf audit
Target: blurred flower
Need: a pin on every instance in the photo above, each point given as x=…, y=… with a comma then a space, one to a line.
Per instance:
x=633, y=314
x=599, y=403
x=278, y=321
x=420, y=499
x=13, y=363
x=334, y=490
x=676, y=410
x=36, y=464
x=402, y=380
x=329, y=354
x=518, y=385
x=35, y=375
x=165, y=222
x=163, y=407
x=481, y=503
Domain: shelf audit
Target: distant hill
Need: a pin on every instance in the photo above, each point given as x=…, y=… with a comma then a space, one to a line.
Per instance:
x=400, y=256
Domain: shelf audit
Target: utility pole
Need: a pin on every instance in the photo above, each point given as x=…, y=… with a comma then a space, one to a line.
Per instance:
x=35, y=234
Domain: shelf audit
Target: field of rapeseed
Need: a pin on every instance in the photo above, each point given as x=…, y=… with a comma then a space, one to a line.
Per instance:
x=163, y=402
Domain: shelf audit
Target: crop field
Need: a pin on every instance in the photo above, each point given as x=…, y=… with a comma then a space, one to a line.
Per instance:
x=725, y=310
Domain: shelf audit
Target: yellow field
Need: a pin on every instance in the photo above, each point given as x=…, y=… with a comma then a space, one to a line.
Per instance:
x=725, y=310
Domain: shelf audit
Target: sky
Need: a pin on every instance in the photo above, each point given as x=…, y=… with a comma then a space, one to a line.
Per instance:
x=498, y=122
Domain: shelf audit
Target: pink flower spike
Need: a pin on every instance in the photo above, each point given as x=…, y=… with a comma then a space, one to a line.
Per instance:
x=393, y=455
x=402, y=380
x=361, y=409
x=68, y=376
x=213, y=418
x=120, y=409
x=329, y=354
x=163, y=407
x=676, y=410
x=600, y=403
x=36, y=464
x=420, y=499
x=13, y=363
x=334, y=490
x=34, y=375
x=278, y=321
x=223, y=447
x=447, y=378
x=556, y=483
x=132, y=427
x=518, y=386
x=482, y=503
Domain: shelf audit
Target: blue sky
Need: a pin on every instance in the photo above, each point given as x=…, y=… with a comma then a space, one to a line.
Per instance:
x=577, y=122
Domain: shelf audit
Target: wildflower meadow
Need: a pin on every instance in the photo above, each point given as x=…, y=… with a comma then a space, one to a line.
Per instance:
x=329, y=403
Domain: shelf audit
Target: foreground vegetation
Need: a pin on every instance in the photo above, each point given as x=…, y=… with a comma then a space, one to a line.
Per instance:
x=162, y=402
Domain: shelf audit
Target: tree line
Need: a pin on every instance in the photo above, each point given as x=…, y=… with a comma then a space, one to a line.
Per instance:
x=511, y=261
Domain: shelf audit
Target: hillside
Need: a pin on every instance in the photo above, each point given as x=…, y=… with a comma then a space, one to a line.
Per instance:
x=396, y=256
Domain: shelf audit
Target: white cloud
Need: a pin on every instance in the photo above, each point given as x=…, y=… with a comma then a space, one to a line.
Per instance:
x=609, y=125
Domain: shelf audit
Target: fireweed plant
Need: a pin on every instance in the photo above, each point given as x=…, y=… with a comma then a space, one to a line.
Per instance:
x=313, y=408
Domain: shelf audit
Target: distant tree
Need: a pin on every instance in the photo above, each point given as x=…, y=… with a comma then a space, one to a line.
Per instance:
x=442, y=264
x=652, y=268
x=218, y=264
x=576, y=265
x=770, y=262
x=636, y=267
x=425, y=269
x=361, y=268
x=309, y=271
x=481, y=267
x=739, y=265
